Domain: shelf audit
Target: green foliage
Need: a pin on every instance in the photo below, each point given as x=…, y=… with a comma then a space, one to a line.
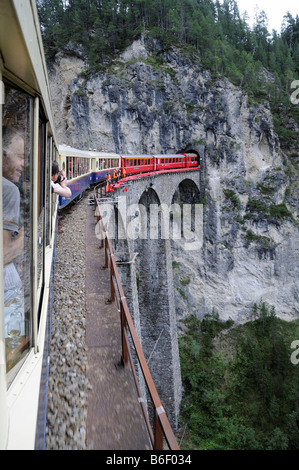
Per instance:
x=254, y=205
x=240, y=388
x=233, y=198
x=225, y=42
x=280, y=211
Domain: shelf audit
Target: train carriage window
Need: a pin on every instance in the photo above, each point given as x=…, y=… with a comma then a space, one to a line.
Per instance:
x=17, y=129
x=70, y=168
x=41, y=199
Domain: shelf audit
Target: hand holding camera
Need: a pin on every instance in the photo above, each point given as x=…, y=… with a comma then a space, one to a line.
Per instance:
x=61, y=177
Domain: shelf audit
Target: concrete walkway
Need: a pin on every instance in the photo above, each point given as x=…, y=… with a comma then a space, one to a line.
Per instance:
x=114, y=419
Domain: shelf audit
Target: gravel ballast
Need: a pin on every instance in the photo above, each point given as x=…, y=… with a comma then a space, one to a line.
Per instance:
x=68, y=384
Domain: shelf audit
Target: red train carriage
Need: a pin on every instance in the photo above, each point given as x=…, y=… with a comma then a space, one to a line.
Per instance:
x=135, y=164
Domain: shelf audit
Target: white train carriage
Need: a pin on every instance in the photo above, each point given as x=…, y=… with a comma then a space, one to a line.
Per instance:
x=28, y=220
x=84, y=168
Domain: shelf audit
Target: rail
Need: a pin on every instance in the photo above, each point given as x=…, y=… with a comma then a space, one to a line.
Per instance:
x=161, y=428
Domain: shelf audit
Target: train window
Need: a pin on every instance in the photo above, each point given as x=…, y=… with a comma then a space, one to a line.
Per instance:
x=16, y=166
x=41, y=199
x=70, y=168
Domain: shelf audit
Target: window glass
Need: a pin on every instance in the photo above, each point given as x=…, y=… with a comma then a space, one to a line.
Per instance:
x=16, y=163
x=48, y=177
x=41, y=201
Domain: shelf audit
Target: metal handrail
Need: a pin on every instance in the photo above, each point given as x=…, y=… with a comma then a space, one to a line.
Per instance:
x=162, y=427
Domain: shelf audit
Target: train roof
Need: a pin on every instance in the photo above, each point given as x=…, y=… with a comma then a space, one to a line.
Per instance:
x=67, y=150
x=22, y=50
x=152, y=156
x=136, y=156
x=170, y=156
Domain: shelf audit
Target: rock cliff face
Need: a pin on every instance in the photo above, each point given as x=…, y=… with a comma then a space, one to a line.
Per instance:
x=157, y=101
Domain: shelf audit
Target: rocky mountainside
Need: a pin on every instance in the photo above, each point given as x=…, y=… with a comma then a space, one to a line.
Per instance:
x=160, y=101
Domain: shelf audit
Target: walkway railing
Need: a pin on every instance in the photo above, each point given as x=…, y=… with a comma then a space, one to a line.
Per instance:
x=161, y=430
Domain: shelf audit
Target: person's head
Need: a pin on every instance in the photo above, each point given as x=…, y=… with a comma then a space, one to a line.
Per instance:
x=13, y=154
x=55, y=171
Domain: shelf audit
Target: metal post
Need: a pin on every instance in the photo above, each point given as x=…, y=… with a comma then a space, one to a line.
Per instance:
x=125, y=355
x=158, y=444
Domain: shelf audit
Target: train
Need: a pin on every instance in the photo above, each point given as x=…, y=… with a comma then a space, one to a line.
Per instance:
x=29, y=217
x=28, y=145
x=84, y=169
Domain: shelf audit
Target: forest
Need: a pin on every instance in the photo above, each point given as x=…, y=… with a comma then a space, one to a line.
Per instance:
x=264, y=63
x=242, y=391
x=224, y=40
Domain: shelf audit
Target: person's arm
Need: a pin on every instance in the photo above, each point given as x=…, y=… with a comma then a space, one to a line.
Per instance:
x=12, y=247
x=62, y=188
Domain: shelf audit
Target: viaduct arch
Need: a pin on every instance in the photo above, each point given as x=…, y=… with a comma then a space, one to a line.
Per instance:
x=142, y=227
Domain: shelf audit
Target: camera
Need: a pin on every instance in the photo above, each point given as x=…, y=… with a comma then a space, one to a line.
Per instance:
x=59, y=178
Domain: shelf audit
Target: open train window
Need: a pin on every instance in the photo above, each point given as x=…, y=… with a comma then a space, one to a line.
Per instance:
x=17, y=127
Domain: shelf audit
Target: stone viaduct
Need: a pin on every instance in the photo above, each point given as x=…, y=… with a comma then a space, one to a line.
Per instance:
x=151, y=216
